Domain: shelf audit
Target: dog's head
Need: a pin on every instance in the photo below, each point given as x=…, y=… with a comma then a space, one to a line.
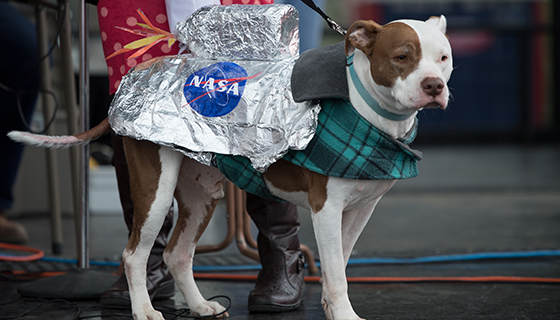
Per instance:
x=410, y=60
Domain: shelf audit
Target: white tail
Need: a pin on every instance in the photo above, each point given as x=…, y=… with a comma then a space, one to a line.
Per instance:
x=44, y=141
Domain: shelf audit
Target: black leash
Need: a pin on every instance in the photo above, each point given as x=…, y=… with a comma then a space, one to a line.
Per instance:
x=335, y=26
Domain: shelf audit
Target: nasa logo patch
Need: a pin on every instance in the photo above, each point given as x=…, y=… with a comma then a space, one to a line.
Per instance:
x=216, y=90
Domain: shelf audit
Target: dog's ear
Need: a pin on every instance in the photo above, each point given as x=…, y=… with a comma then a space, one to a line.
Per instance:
x=361, y=35
x=438, y=22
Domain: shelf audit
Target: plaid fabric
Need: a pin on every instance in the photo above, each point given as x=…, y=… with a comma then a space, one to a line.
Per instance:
x=240, y=172
x=345, y=146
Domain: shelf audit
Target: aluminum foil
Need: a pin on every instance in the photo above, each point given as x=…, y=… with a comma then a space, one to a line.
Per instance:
x=256, y=32
x=232, y=96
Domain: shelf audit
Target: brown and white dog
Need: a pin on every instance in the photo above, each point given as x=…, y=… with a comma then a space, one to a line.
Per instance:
x=404, y=65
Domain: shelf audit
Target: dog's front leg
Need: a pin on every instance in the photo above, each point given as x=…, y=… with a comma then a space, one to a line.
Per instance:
x=327, y=224
x=326, y=197
x=357, y=214
x=153, y=175
x=198, y=190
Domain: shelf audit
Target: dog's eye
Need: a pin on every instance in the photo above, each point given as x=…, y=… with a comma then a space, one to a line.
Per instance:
x=443, y=58
x=401, y=58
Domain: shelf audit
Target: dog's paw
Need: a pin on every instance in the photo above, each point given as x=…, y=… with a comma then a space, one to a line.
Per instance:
x=209, y=308
x=149, y=315
x=328, y=312
x=348, y=315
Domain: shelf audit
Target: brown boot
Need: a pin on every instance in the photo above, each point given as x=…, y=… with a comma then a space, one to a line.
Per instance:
x=159, y=281
x=280, y=283
x=12, y=232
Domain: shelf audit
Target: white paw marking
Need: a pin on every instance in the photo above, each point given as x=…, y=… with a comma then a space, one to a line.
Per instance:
x=209, y=308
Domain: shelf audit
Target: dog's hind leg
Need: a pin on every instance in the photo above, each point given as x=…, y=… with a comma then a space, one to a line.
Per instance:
x=198, y=190
x=153, y=173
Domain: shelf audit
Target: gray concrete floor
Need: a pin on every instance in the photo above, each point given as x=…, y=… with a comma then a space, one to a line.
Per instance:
x=467, y=199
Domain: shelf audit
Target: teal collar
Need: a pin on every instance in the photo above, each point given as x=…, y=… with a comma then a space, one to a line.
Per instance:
x=369, y=99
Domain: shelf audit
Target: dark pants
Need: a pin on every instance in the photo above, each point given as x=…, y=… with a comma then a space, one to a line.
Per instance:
x=18, y=52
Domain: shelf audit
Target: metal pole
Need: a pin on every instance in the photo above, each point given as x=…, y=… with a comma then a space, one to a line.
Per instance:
x=556, y=73
x=82, y=283
x=48, y=110
x=83, y=257
x=72, y=109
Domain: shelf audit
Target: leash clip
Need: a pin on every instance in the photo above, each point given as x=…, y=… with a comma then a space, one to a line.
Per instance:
x=336, y=27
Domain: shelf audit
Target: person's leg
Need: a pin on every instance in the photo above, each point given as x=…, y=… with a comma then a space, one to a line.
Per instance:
x=17, y=55
x=159, y=280
x=280, y=282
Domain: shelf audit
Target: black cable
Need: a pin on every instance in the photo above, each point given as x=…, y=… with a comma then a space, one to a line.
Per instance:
x=176, y=313
x=183, y=313
x=18, y=92
x=63, y=305
x=88, y=308
x=179, y=313
x=49, y=123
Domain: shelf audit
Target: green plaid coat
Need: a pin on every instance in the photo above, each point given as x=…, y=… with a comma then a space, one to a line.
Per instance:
x=345, y=146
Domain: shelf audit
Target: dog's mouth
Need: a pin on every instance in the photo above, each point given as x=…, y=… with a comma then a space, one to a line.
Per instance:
x=433, y=105
x=430, y=105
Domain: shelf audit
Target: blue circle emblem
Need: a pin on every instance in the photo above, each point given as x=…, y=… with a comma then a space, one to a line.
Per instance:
x=215, y=90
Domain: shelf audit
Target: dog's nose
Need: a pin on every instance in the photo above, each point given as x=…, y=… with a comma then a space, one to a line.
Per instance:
x=432, y=86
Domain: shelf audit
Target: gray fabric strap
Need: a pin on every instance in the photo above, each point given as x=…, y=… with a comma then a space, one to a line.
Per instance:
x=320, y=74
